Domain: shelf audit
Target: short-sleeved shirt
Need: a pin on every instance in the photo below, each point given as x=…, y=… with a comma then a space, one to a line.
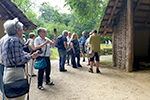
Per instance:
x=76, y=45
x=31, y=42
x=68, y=42
x=61, y=45
x=87, y=41
x=95, y=40
x=38, y=41
x=82, y=40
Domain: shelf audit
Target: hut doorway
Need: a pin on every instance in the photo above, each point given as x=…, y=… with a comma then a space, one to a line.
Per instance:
x=141, y=48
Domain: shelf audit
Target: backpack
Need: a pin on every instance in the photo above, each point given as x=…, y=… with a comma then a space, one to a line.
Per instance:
x=26, y=47
x=58, y=41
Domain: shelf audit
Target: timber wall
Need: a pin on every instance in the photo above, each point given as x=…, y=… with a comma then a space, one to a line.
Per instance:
x=120, y=39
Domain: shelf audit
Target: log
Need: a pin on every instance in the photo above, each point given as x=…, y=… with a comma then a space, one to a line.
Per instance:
x=130, y=51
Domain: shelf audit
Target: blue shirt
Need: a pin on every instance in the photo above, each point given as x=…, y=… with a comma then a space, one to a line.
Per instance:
x=12, y=52
x=61, y=43
x=82, y=40
x=76, y=46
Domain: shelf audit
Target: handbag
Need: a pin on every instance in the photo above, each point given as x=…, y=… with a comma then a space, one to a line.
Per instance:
x=40, y=63
x=17, y=88
x=91, y=53
x=70, y=51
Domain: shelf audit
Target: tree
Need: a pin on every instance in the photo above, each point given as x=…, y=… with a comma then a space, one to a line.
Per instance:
x=88, y=9
x=25, y=6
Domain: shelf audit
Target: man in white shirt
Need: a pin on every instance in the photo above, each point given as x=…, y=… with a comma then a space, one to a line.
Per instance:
x=40, y=43
x=68, y=46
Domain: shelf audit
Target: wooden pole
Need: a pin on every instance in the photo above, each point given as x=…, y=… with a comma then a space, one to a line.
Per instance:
x=130, y=51
x=113, y=48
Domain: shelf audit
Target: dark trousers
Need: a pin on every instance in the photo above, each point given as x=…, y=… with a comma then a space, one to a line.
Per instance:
x=67, y=58
x=73, y=62
x=47, y=70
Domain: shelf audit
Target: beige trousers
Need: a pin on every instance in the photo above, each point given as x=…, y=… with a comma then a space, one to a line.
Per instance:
x=12, y=74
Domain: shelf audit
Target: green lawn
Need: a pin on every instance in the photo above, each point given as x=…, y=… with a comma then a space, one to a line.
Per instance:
x=104, y=46
x=55, y=54
x=107, y=63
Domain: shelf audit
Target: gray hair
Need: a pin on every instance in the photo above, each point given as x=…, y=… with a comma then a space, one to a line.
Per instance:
x=65, y=31
x=10, y=26
x=83, y=32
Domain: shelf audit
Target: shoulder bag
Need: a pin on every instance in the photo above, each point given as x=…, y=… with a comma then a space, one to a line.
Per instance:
x=40, y=63
x=17, y=88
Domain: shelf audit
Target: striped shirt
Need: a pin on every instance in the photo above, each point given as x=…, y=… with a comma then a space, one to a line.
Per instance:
x=12, y=52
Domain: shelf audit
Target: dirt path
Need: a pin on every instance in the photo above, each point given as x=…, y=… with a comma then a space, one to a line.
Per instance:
x=79, y=84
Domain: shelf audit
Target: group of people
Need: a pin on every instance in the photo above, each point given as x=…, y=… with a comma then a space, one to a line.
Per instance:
x=13, y=59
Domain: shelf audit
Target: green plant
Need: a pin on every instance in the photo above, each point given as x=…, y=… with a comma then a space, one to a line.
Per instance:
x=107, y=63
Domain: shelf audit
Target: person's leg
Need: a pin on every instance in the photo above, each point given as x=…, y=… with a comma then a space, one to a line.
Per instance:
x=83, y=54
x=73, y=61
x=67, y=58
x=40, y=76
x=1, y=80
x=59, y=51
x=78, y=59
x=30, y=67
x=97, y=62
x=47, y=69
x=91, y=64
x=63, y=58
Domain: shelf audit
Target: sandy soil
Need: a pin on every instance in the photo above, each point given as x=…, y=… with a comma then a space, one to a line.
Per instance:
x=79, y=84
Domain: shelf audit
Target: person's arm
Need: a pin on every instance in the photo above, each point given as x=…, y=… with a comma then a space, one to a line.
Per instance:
x=65, y=44
x=18, y=55
x=72, y=47
x=37, y=46
x=53, y=43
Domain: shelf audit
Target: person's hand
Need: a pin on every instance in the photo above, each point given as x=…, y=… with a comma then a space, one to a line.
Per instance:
x=47, y=41
x=35, y=54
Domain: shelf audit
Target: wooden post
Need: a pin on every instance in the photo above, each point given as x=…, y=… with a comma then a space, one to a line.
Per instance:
x=130, y=51
x=113, y=48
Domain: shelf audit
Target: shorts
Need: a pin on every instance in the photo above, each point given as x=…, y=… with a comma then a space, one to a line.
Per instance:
x=96, y=55
x=83, y=50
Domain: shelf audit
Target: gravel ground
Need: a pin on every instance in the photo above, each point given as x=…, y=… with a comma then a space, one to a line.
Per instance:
x=79, y=84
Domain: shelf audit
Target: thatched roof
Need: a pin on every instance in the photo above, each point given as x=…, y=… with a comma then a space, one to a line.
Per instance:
x=9, y=10
x=141, y=14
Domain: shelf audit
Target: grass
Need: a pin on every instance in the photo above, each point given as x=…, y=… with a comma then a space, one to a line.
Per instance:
x=107, y=63
x=55, y=54
x=104, y=46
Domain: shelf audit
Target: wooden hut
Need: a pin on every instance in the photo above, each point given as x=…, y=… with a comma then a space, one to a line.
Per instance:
x=128, y=22
x=9, y=10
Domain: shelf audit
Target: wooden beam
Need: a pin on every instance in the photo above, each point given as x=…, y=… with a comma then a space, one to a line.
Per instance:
x=147, y=20
x=112, y=13
x=130, y=49
x=137, y=6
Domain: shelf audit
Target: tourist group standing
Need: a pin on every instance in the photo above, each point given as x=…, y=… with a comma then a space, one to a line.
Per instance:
x=13, y=57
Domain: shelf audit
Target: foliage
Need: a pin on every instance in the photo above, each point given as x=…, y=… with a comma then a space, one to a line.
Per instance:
x=88, y=9
x=25, y=6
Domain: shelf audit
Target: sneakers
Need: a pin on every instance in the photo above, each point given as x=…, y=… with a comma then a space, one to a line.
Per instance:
x=79, y=65
x=50, y=83
x=63, y=70
x=41, y=88
x=91, y=70
x=97, y=71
